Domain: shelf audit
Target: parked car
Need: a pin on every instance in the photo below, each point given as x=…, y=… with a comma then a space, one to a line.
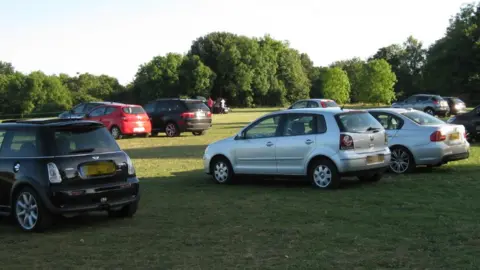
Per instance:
x=122, y=119
x=456, y=105
x=471, y=121
x=62, y=167
x=314, y=103
x=174, y=116
x=418, y=138
x=431, y=104
x=320, y=144
x=82, y=109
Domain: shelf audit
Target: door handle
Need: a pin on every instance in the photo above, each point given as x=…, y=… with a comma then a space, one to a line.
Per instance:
x=269, y=144
x=308, y=141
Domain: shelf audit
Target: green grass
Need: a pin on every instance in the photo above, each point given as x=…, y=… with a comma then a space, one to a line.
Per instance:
x=424, y=220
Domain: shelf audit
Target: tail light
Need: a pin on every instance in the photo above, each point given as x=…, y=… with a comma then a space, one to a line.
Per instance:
x=209, y=114
x=346, y=142
x=324, y=105
x=437, y=136
x=187, y=115
x=53, y=173
x=435, y=102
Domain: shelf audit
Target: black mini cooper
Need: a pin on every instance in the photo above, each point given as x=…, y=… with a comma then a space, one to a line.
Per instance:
x=61, y=166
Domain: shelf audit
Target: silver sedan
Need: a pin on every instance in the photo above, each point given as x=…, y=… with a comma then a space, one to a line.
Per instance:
x=417, y=138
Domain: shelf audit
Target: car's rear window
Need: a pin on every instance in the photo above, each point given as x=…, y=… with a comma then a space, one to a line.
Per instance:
x=86, y=139
x=437, y=98
x=357, y=122
x=133, y=110
x=422, y=118
x=196, y=105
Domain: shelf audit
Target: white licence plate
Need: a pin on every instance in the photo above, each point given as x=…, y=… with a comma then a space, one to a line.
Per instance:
x=200, y=114
x=139, y=129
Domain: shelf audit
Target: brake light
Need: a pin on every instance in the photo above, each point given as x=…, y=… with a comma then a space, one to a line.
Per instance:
x=186, y=115
x=324, y=105
x=435, y=102
x=437, y=136
x=209, y=114
x=346, y=142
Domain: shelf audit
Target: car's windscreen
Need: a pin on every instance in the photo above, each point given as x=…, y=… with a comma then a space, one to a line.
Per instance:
x=422, y=118
x=196, y=105
x=357, y=122
x=133, y=110
x=83, y=140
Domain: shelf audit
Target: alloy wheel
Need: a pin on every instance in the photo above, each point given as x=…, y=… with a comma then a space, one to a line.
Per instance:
x=170, y=130
x=115, y=132
x=322, y=176
x=26, y=210
x=400, y=161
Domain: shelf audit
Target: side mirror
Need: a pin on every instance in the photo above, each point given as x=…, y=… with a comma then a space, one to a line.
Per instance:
x=240, y=136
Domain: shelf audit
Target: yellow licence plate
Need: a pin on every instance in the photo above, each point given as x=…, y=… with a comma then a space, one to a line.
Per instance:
x=375, y=159
x=454, y=136
x=99, y=168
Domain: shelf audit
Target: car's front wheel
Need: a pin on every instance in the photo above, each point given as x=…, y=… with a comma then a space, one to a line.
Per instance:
x=222, y=171
x=171, y=130
x=29, y=211
x=324, y=175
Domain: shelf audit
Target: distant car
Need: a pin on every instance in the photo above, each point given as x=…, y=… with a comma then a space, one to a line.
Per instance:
x=80, y=110
x=457, y=106
x=471, y=121
x=418, y=138
x=63, y=167
x=314, y=103
x=122, y=119
x=174, y=116
x=431, y=104
x=320, y=144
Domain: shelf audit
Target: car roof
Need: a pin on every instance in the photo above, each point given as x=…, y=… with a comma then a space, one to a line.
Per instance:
x=329, y=110
x=180, y=99
x=393, y=110
x=315, y=99
x=41, y=122
x=104, y=103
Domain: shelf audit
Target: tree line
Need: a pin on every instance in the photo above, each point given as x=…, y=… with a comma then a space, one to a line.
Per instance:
x=251, y=72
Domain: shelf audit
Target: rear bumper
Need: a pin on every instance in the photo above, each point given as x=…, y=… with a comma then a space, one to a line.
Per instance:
x=438, y=153
x=85, y=199
x=196, y=125
x=132, y=129
x=455, y=157
x=354, y=164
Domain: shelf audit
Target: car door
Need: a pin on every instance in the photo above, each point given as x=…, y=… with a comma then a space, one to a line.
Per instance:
x=162, y=111
x=97, y=114
x=110, y=117
x=421, y=103
x=391, y=123
x=255, y=151
x=296, y=142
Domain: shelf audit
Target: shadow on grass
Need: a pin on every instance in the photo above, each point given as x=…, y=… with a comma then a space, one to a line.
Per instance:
x=231, y=124
x=167, y=152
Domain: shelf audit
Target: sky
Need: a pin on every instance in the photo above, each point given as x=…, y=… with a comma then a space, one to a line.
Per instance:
x=115, y=37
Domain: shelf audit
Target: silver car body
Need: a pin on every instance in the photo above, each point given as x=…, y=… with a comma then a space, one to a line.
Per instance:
x=291, y=155
x=432, y=104
x=416, y=137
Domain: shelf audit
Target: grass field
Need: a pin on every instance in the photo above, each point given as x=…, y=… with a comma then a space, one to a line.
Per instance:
x=428, y=219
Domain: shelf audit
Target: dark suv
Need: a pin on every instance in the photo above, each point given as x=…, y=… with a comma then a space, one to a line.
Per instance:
x=58, y=167
x=174, y=116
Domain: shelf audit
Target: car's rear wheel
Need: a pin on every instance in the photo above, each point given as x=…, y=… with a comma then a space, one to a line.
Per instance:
x=116, y=132
x=127, y=211
x=29, y=211
x=324, y=175
x=371, y=177
x=171, y=130
x=429, y=111
x=199, y=133
x=402, y=160
x=222, y=171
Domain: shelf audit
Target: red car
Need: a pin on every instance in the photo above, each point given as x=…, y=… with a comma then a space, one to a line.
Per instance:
x=122, y=119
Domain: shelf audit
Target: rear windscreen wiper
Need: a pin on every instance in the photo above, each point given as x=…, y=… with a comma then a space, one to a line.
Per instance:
x=85, y=150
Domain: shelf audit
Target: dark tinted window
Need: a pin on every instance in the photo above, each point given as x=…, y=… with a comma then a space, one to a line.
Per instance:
x=422, y=118
x=265, y=128
x=321, y=124
x=83, y=140
x=299, y=124
x=312, y=104
x=356, y=122
x=133, y=110
x=150, y=108
x=79, y=108
x=300, y=104
x=21, y=143
x=422, y=98
x=110, y=110
x=196, y=105
x=97, y=112
x=90, y=106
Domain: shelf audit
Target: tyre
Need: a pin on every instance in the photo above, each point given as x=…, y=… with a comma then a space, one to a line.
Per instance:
x=402, y=160
x=199, y=133
x=371, y=177
x=30, y=212
x=323, y=174
x=145, y=135
x=116, y=133
x=222, y=172
x=127, y=211
x=171, y=130
x=429, y=111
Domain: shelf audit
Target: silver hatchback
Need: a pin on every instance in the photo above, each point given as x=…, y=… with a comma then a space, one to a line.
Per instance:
x=418, y=138
x=321, y=144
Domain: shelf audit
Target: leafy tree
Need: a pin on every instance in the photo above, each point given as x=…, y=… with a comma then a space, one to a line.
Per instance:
x=6, y=68
x=354, y=68
x=196, y=79
x=378, y=80
x=335, y=85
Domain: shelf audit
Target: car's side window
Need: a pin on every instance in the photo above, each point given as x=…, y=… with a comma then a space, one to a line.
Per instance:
x=79, y=108
x=264, y=128
x=162, y=106
x=412, y=99
x=299, y=124
x=321, y=124
x=312, y=104
x=110, y=110
x=22, y=143
x=422, y=99
x=388, y=121
x=89, y=107
x=98, y=112
x=149, y=108
x=299, y=105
